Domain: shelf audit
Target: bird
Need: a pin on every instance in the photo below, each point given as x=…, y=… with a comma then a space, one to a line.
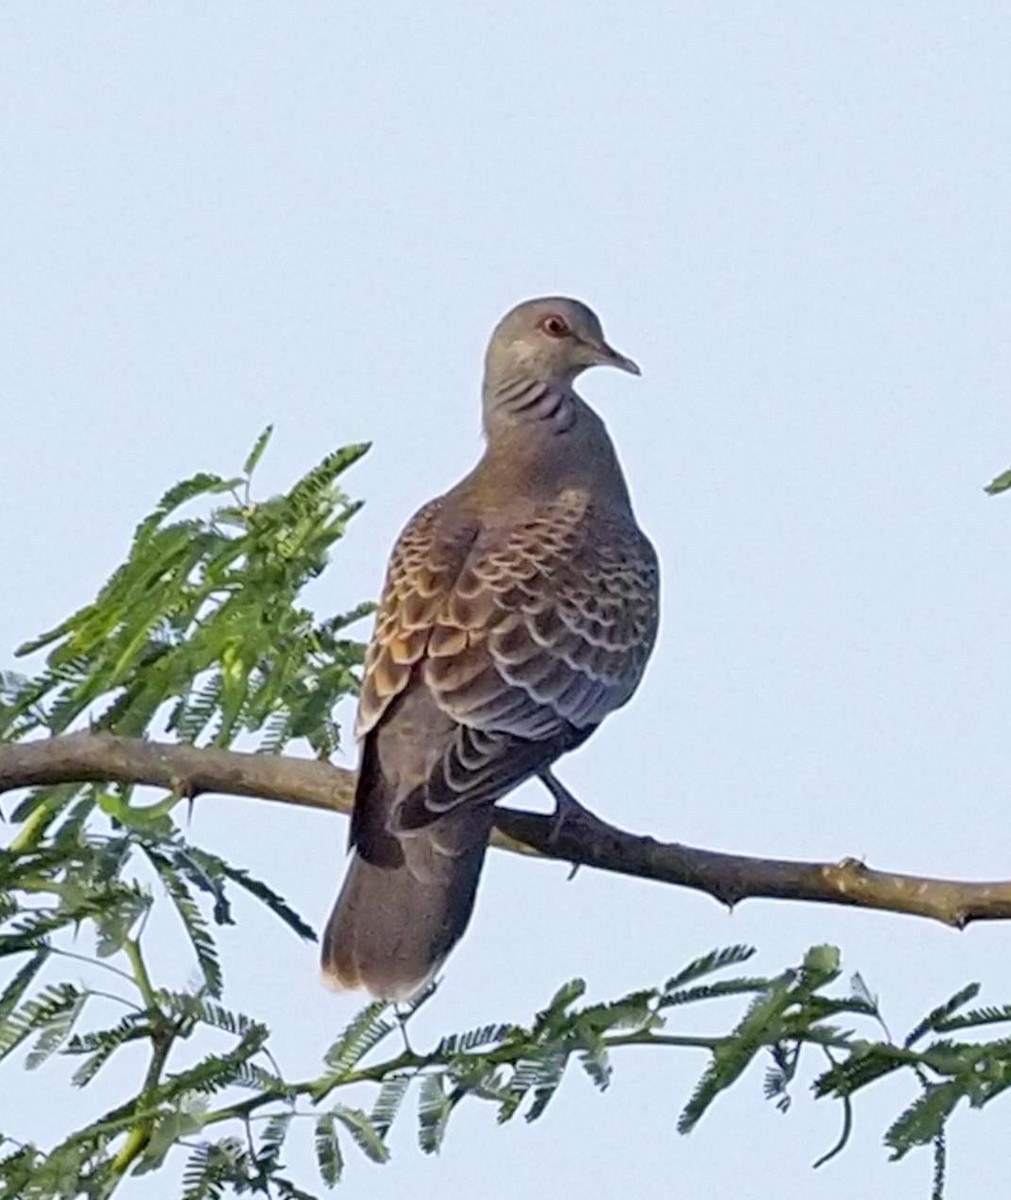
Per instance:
x=519, y=610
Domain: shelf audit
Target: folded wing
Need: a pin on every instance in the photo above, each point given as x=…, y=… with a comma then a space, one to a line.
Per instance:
x=524, y=636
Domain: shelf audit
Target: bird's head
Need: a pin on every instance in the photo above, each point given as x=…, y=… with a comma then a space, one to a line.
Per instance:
x=551, y=340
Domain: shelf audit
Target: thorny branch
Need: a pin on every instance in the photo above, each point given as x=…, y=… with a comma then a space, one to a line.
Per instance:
x=583, y=838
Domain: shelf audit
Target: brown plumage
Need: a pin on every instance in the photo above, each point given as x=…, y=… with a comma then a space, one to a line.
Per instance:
x=519, y=610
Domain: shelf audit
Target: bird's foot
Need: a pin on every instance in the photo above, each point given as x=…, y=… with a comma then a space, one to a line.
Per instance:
x=567, y=807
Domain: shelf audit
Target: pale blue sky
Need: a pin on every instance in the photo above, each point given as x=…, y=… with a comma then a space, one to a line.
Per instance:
x=795, y=216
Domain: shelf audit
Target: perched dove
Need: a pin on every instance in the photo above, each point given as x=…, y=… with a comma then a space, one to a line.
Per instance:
x=519, y=610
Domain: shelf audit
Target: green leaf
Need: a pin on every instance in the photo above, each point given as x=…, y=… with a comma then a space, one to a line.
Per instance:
x=434, y=1109
x=169, y=1130
x=214, y=1071
x=549, y=1076
x=276, y=903
x=865, y=1064
x=709, y=991
x=760, y=1026
x=595, y=1062
x=100, y=1044
x=716, y=960
x=461, y=1043
x=212, y=1165
x=54, y=1009
x=254, y=456
x=387, y=1104
x=988, y=1015
x=780, y=1075
x=112, y=928
x=365, y=1134
x=538, y=1076
x=364, y=1032
x=17, y=987
x=938, y=1016
x=1000, y=484
x=193, y=922
x=551, y=1018
x=635, y=1011
x=924, y=1120
x=198, y=1009
x=272, y=1139
x=328, y=1151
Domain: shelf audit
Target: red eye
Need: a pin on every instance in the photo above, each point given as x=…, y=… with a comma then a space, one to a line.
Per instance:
x=554, y=326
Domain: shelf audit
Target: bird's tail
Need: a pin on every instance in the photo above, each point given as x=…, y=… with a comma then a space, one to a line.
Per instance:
x=405, y=903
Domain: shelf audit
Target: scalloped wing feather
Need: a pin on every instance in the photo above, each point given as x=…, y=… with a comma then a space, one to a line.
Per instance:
x=526, y=636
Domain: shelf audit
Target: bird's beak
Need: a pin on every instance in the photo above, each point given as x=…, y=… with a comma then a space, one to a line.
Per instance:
x=607, y=356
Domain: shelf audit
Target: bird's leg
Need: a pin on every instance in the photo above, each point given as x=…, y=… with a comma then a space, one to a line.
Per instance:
x=566, y=805
x=402, y=1012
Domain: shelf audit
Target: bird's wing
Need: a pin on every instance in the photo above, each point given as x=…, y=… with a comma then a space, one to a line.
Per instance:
x=526, y=635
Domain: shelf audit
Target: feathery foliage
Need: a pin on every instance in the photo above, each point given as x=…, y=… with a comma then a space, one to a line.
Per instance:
x=201, y=632
x=201, y=626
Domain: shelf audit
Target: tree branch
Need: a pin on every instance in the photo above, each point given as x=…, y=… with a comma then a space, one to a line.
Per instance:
x=583, y=838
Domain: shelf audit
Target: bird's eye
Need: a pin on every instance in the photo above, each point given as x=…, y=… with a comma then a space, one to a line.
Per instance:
x=554, y=326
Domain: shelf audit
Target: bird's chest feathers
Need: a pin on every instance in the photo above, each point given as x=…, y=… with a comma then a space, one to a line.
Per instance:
x=525, y=471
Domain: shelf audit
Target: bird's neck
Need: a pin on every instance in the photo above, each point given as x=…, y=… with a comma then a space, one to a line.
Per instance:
x=543, y=438
x=552, y=407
